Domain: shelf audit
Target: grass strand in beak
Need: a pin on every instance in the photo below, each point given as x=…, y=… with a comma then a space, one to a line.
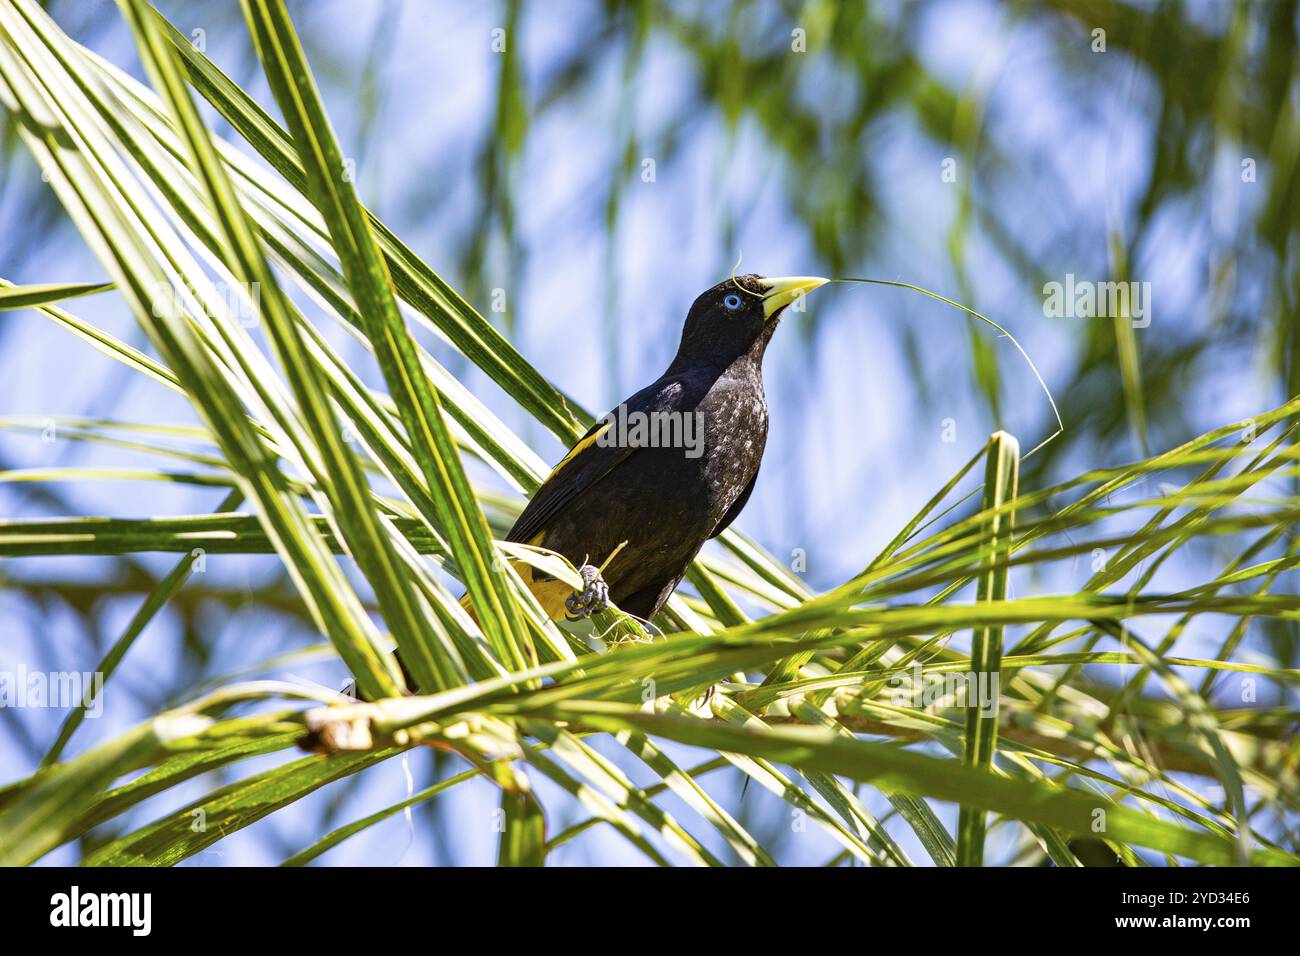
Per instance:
x=1060, y=425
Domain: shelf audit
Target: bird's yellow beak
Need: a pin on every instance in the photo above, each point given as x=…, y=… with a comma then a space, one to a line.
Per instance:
x=786, y=289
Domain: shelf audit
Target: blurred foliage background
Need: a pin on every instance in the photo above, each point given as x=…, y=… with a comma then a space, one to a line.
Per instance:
x=582, y=185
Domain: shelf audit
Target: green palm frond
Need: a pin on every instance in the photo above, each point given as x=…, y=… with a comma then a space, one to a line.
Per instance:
x=821, y=699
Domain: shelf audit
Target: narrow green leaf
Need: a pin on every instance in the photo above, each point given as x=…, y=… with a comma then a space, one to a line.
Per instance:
x=36, y=296
x=40, y=819
x=523, y=833
x=196, y=826
x=1001, y=480
x=335, y=837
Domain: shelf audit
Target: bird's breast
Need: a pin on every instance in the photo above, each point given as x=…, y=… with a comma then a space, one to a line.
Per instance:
x=734, y=424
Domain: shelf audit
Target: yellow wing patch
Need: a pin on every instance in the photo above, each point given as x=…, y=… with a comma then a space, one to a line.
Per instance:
x=582, y=446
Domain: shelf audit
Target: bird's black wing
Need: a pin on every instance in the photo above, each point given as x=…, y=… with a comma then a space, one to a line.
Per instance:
x=589, y=461
x=584, y=465
x=736, y=508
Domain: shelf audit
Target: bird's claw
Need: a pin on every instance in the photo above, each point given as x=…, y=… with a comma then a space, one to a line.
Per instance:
x=593, y=597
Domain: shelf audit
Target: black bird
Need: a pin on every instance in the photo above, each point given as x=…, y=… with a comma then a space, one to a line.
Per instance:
x=620, y=485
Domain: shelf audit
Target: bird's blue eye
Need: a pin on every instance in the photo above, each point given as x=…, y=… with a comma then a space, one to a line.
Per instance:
x=732, y=302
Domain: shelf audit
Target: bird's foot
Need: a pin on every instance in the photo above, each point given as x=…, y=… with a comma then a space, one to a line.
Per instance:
x=593, y=597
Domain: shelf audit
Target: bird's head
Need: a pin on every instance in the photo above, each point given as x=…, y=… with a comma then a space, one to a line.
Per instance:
x=737, y=317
